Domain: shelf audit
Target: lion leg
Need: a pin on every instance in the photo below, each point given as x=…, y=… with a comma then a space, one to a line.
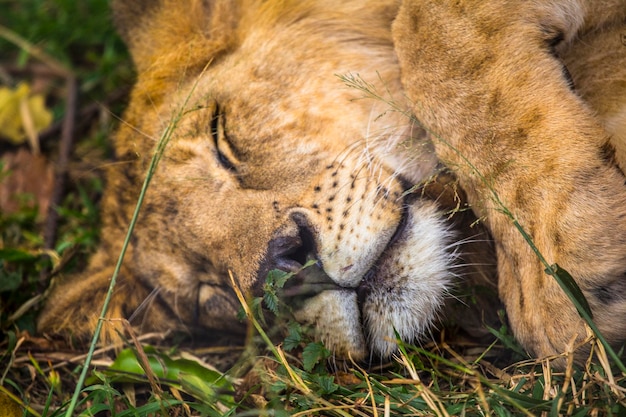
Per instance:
x=62, y=314
x=484, y=80
x=77, y=320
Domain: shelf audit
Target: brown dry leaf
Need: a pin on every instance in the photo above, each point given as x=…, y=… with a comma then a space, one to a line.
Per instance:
x=25, y=173
x=347, y=378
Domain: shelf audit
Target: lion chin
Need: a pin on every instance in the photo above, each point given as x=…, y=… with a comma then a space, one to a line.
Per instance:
x=289, y=144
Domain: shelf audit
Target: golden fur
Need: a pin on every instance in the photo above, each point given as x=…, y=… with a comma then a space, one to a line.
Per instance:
x=500, y=98
x=275, y=161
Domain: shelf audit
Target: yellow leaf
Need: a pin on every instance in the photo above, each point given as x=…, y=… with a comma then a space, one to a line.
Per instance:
x=8, y=408
x=22, y=114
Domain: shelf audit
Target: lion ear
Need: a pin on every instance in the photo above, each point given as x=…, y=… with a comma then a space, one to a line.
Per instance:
x=153, y=29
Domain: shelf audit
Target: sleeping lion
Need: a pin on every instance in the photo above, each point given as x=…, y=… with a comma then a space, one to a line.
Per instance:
x=290, y=142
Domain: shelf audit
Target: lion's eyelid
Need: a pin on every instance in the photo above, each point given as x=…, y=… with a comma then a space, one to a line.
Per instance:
x=222, y=149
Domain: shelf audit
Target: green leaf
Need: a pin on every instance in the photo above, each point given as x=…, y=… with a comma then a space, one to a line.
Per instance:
x=294, y=337
x=256, y=307
x=507, y=340
x=570, y=287
x=206, y=391
x=184, y=374
x=326, y=383
x=582, y=412
x=9, y=281
x=271, y=301
x=277, y=278
x=11, y=342
x=16, y=255
x=103, y=388
x=312, y=354
x=536, y=404
x=278, y=386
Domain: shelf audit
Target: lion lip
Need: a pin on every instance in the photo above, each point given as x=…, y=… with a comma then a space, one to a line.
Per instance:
x=369, y=278
x=288, y=265
x=400, y=229
x=307, y=281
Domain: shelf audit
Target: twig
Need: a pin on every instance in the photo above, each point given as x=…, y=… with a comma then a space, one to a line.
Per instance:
x=61, y=171
x=35, y=51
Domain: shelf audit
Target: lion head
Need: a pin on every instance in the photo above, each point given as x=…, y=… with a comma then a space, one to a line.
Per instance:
x=273, y=160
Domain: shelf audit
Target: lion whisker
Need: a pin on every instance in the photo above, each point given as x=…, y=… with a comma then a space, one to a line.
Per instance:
x=144, y=305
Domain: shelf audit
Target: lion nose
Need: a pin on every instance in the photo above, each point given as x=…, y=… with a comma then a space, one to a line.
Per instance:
x=292, y=251
x=295, y=253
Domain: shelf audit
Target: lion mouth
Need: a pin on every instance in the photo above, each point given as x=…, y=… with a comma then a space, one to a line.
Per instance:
x=309, y=276
x=400, y=293
x=310, y=280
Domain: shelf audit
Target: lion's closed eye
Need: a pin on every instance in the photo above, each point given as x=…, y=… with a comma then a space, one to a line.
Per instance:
x=223, y=149
x=554, y=39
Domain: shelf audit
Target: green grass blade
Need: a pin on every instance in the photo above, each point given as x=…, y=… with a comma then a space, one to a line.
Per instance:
x=156, y=157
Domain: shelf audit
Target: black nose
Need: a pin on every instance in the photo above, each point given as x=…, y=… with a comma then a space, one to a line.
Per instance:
x=287, y=248
x=298, y=249
x=291, y=253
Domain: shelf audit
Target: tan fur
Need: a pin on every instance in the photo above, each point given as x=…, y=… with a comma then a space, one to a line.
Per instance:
x=487, y=83
x=274, y=161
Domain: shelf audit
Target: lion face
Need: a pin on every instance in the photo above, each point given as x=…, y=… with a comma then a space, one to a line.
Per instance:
x=299, y=167
x=273, y=162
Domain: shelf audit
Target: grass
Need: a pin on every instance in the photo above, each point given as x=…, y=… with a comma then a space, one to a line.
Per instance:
x=68, y=39
x=148, y=377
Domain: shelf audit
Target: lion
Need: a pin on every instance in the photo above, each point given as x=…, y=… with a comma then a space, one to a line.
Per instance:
x=285, y=141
